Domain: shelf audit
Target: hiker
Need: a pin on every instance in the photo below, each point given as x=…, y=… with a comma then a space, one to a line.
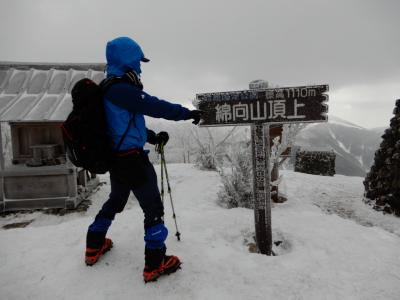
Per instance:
x=125, y=106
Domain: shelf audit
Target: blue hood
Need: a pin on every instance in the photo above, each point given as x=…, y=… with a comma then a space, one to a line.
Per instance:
x=123, y=54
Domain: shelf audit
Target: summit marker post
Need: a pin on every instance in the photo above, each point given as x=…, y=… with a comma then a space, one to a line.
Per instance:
x=259, y=108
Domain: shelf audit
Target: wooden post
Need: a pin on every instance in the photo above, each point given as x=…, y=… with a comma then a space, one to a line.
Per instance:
x=261, y=187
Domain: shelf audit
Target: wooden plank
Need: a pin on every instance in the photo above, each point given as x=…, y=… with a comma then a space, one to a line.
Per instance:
x=46, y=186
x=36, y=171
x=39, y=203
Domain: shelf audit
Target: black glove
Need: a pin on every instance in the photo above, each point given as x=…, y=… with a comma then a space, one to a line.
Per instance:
x=151, y=137
x=162, y=138
x=196, y=116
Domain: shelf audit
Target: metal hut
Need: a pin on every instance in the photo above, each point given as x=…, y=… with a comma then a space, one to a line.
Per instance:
x=34, y=100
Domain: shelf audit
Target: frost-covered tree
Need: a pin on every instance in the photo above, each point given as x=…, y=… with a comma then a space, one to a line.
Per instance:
x=184, y=139
x=209, y=152
x=280, y=145
x=382, y=183
x=237, y=189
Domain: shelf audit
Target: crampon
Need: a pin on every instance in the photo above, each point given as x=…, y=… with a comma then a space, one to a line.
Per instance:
x=93, y=255
x=169, y=265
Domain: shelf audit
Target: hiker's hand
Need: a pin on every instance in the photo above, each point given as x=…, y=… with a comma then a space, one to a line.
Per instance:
x=162, y=138
x=196, y=116
x=151, y=137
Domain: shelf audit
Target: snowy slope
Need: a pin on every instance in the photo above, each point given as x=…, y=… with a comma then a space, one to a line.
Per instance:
x=323, y=256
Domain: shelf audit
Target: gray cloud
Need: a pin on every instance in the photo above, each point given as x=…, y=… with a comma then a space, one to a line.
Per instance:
x=201, y=46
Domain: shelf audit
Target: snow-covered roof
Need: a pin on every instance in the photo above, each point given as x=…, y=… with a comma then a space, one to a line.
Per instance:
x=41, y=91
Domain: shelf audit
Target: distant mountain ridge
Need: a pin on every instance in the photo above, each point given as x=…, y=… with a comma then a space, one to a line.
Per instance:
x=380, y=130
x=354, y=145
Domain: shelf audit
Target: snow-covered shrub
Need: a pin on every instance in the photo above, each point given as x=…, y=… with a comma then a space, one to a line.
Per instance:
x=205, y=159
x=237, y=179
x=237, y=189
x=315, y=162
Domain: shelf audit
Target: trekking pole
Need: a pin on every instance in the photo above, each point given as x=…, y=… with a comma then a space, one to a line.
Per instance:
x=164, y=169
x=162, y=179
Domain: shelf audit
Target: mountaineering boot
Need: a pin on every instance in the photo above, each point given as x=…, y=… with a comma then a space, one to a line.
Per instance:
x=157, y=264
x=152, y=263
x=96, y=245
x=170, y=264
x=93, y=255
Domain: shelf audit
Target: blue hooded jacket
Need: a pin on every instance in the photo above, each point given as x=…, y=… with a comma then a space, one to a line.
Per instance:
x=124, y=101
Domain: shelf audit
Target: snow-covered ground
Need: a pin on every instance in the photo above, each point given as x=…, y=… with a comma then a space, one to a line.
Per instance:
x=333, y=247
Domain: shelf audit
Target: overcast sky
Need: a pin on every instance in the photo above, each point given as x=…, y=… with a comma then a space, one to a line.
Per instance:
x=213, y=45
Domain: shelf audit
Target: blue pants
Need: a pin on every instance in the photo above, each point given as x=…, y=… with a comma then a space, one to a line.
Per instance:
x=149, y=199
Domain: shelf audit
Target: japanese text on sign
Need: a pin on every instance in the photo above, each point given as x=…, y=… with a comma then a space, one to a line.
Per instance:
x=257, y=111
x=278, y=105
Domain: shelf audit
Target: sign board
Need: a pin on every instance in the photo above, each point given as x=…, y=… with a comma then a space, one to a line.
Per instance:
x=260, y=108
x=301, y=104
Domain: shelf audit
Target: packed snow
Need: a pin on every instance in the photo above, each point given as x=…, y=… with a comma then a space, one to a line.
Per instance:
x=331, y=246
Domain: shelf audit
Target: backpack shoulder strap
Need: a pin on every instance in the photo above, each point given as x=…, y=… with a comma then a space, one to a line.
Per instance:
x=105, y=85
x=124, y=135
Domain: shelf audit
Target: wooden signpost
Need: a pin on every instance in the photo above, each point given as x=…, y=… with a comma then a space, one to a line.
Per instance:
x=259, y=108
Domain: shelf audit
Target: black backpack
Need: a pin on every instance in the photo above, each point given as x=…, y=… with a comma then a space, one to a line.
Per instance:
x=85, y=129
